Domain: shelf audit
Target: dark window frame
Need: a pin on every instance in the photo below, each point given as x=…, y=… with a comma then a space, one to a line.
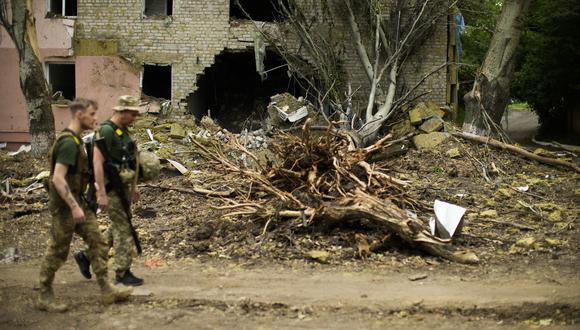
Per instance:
x=49, y=79
x=169, y=7
x=68, y=8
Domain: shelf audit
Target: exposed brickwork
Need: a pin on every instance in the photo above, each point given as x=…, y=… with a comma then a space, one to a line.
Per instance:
x=199, y=30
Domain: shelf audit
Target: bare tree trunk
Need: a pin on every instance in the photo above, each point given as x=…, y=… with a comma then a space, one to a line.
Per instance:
x=486, y=102
x=18, y=20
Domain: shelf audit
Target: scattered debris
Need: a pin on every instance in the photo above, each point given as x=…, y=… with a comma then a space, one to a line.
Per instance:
x=23, y=148
x=453, y=153
x=448, y=219
x=154, y=262
x=239, y=188
x=177, y=132
x=42, y=175
x=182, y=169
x=432, y=124
x=517, y=150
x=424, y=111
x=488, y=214
x=287, y=108
x=527, y=242
x=318, y=255
x=363, y=246
x=417, y=277
x=430, y=140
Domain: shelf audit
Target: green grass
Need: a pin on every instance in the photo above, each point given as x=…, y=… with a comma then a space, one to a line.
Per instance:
x=519, y=106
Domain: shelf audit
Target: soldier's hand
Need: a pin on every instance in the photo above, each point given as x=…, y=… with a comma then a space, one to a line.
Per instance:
x=102, y=201
x=78, y=214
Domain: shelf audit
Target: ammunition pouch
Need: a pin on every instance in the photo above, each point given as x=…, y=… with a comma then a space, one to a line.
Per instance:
x=127, y=176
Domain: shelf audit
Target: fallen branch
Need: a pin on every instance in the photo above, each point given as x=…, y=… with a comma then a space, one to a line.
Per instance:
x=194, y=191
x=516, y=150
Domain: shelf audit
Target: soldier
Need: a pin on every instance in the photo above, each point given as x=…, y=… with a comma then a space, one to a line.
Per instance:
x=117, y=153
x=70, y=212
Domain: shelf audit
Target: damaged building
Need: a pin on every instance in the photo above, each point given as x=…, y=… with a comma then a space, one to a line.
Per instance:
x=198, y=54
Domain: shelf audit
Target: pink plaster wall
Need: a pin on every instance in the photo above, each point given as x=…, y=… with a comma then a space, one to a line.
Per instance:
x=55, y=43
x=55, y=33
x=104, y=79
x=101, y=78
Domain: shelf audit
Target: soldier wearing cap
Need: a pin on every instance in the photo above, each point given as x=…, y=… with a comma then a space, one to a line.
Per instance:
x=70, y=212
x=121, y=152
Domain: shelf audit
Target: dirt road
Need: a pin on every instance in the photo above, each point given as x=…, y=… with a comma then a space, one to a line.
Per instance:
x=521, y=125
x=192, y=294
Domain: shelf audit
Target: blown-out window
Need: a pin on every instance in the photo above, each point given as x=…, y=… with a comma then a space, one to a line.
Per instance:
x=61, y=7
x=158, y=8
x=61, y=78
x=257, y=10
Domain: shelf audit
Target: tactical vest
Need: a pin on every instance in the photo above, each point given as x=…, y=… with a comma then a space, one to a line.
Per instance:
x=77, y=180
x=128, y=153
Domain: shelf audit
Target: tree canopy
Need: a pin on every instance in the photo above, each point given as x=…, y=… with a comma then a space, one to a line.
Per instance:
x=548, y=77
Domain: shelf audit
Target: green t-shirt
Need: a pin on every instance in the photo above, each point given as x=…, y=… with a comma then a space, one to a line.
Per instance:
x=67, y=152
x=118, y=142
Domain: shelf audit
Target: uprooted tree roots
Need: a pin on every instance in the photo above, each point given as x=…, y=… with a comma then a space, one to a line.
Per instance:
x=320, y=180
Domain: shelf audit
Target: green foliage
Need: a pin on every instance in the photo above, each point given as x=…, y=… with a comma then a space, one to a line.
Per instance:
x=548, y=77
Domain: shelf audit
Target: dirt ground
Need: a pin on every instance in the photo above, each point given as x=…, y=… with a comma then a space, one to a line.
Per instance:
x=206, y=271
x=189, y=293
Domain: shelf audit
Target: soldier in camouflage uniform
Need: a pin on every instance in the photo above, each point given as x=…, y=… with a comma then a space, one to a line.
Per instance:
x=121, y=152
x=70, y=212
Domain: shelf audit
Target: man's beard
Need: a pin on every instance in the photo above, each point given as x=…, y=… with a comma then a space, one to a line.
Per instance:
x=86, y=127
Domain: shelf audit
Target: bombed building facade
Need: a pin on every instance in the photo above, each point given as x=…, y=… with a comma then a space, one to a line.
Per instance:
x=198, y=54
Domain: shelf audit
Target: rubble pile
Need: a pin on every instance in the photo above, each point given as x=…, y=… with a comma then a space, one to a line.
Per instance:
x=428, y=119
x=306, y=195
x=284, y=110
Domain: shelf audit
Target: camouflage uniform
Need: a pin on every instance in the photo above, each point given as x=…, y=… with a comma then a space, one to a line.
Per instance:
x=121, y=152
x=68, y=150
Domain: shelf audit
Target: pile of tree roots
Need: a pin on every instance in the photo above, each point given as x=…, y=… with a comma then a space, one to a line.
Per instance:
x=321, y=179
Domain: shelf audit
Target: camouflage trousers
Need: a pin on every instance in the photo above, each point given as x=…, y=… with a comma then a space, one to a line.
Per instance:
x=118, y=234
x=58, y=245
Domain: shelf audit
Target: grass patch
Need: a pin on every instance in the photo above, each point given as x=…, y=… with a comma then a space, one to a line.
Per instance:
x=520, y=106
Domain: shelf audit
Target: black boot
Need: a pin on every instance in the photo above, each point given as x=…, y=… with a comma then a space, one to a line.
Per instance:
x=84, y=264
x=128, y=279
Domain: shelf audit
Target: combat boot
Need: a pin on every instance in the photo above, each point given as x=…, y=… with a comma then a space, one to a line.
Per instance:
x=84, y=264
x=47, y=303
x=127, y=278
x=111, y=294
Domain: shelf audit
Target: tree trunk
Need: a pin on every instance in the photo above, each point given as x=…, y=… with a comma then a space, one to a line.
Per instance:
x=491, y=90
x=32, y=82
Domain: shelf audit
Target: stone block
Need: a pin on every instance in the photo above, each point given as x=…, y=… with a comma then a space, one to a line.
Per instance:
x=177, y=131
x=434, y=110
x=430, y=140
x=432, y=124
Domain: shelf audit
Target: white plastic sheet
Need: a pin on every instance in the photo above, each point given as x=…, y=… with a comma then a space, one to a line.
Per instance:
x=448, y=219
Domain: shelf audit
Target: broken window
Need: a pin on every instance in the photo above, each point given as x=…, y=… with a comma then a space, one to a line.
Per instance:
x=234, y=93
x=58, y=8
x=257, y=10
x=157, y=81
x=158, y=8
x=61, y=78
